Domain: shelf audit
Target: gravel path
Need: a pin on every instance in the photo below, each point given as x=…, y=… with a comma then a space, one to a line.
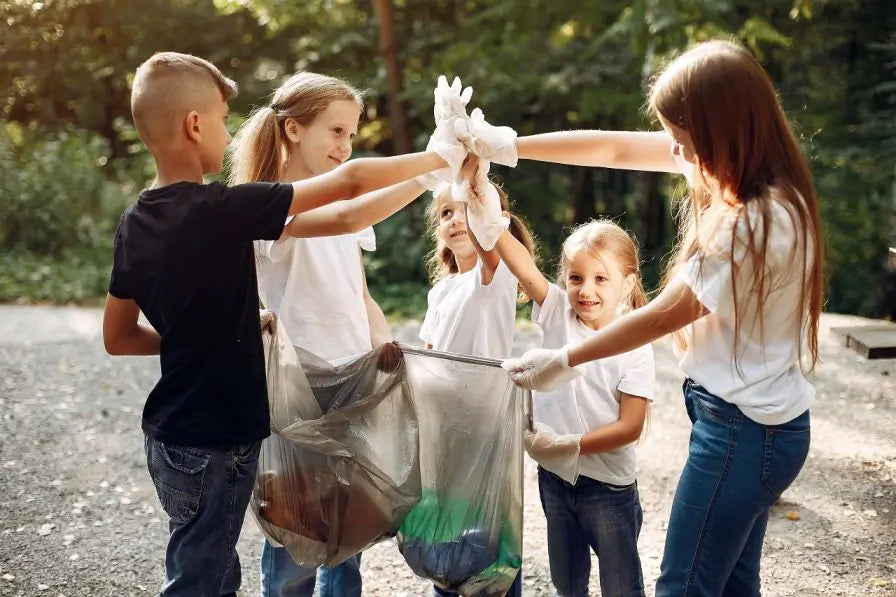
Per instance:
x=79, y=516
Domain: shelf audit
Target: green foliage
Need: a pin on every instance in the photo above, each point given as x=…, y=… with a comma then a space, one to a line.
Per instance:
x=535, y=65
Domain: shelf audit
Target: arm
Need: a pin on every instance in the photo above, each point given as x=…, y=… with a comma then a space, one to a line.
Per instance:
x=343, y=217
x=523, y=267
x=650, y=151
x=123, y=334
x=489, y=260
x=675, y=307
x=379, y=327
x=361, y=176
x=625, y=430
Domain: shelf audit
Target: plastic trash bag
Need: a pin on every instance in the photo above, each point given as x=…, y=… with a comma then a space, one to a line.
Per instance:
x=340, y=470
x=465, y=534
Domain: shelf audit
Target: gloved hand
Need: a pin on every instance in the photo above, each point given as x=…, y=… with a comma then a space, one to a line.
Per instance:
x=555, y=452
x=541, y=369
x=485, y=218
x=450, y=102
x=444, y=142
x=489, y=142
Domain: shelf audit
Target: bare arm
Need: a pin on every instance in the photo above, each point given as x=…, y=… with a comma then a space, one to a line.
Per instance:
x=123, y=334
x=650, y=151
x=343, y=217
x=625, y=430
x=522, y=266
x=360, y=176
x=379, y=327
x=675, y=307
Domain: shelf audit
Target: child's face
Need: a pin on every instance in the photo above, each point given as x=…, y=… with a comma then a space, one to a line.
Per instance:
x=682, y=145
x=453, y=227
x=214, y=135
x=327, y=142
x=595, y=285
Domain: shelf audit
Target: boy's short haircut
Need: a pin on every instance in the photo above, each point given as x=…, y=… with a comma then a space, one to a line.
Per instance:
x=166, y=84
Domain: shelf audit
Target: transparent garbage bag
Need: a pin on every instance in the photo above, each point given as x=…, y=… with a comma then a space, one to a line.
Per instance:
x=465, y=534
x=340, y=470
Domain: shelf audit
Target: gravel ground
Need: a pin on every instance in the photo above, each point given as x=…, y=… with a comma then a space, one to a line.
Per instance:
x=79, y=515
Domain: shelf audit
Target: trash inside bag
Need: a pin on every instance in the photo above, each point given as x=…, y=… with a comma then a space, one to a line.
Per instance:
x=340, y=470
x=465, y=534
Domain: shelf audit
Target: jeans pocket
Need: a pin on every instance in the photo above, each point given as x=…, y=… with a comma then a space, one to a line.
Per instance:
x=784, y=455
x=178, y=473
x=244, y=454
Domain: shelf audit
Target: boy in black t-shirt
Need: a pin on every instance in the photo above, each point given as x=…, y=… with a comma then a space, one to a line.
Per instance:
x=183, y=256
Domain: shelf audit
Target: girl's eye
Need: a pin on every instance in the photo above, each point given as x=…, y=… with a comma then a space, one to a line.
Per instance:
x=446, y=213
x=338, y=130
x=601, y=279
x=575, y=278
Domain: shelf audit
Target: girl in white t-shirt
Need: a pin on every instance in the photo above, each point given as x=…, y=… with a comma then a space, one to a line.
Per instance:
x=744, y=295
x=313, y=277
x=471, y=308
x=586, y=429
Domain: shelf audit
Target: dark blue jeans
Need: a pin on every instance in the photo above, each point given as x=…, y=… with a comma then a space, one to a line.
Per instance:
x=282, y=577
x=205, y=492
x=590, y=514
x=735, y=471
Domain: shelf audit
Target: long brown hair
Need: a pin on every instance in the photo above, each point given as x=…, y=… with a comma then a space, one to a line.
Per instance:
x=606, y=236
x=259, y=148
x=441, y=262
x=748, y=154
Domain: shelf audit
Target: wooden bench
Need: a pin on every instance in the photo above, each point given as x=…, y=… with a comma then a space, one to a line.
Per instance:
x=870, y=341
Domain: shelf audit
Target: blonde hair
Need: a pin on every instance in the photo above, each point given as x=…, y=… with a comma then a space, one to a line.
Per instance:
x=441, y=262
x=725, y=100
x=168, y=84
x=260, y=145
x=606, y=236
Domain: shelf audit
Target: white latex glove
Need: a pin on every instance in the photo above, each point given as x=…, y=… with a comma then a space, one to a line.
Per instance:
x=555, y=452
x=445, y=143
x=485, y=217
x=541, y=369
x=436, y=180
x=493, y=143
x=450, y=101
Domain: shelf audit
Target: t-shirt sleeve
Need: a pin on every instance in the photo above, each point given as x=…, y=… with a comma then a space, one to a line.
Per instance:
x=367, y=239
x=274, y=250
x=252, y=211
x=552, y=312
x=708, y=273
x=119, y=279
x=639, y=376
x=428, y=328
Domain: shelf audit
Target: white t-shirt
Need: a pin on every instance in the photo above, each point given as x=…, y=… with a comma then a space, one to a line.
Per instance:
x=316, y=287
x=766, y=382
x=464, y=316
x=591, y=400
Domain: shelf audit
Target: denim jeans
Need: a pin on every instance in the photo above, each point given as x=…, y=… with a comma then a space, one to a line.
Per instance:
x=205, y=493
x=282, y=577
x=607, y=518
x=515, y=590
x=735, y=471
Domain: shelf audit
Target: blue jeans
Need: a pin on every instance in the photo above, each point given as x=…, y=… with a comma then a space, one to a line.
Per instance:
x=282, y=577
x=607, y=518
x=205, y=493
x=515, y=590
x=736, y=470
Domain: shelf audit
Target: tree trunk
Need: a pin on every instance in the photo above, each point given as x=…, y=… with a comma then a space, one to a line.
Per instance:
x=398, y=114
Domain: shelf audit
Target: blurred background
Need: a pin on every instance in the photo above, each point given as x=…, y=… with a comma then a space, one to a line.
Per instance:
x=70, y=161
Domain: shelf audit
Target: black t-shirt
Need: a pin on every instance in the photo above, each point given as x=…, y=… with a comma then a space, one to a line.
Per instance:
x=184, y=254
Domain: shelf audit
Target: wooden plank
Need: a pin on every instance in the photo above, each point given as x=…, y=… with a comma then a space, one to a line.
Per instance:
x=870, y=341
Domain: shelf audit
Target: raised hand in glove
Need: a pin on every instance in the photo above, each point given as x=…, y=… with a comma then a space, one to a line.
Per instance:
x=558, y=453
x=541, y=369
x=485, y=218
x=493, y=143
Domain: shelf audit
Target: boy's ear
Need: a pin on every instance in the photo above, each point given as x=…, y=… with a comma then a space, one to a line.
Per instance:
x=293, y=130
x=193, y=130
